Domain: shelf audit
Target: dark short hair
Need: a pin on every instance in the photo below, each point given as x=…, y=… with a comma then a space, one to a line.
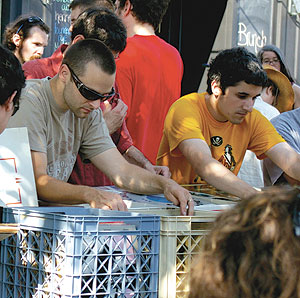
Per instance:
x=101, y=24
x=84, y=4
x=12, y=28
x=275, y=89
x=283, y=68
x=11, y=76
x=148, y=11
x=78, y=55
x=234, y=65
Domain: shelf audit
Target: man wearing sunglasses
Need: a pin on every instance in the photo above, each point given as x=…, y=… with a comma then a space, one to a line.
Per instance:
x=108, y=28
x=12, y=81
x=63, y=118
x=27, y=37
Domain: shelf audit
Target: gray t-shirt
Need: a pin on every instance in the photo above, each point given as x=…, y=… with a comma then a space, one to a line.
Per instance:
x=288, y=126
x=59, y=134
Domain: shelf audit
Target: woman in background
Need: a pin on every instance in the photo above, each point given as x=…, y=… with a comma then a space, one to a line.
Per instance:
x=272, y=55
x=253, y=250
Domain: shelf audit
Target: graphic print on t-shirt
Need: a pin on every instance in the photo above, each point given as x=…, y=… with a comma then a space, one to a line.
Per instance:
x=227, y=159
x=216, y=141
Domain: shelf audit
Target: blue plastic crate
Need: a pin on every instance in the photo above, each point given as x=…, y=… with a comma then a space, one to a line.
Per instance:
x=80, y=252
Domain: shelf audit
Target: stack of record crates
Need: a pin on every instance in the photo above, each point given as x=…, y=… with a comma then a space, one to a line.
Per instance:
x=79, y=252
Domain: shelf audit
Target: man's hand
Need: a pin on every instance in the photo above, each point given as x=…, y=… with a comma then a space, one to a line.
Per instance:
x=114, y=117
x=138, y=180
x=104, y=200
x=158, y=170
x=179, y=196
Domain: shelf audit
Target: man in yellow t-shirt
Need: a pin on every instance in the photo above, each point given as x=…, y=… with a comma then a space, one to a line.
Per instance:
x=206, y=135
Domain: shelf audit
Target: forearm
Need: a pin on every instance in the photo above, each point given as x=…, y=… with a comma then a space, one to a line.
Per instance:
x=52, y=190
x=286, y=158
x=215, y=174
x=136, y=179
x=144, y=182
x=136, y=157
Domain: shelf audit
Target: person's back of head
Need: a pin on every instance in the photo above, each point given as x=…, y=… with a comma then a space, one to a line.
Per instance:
x=85, y=4
x=78, y=55
x=12, y=80
x=270, y=92
x=11, y=76
x=234, y=65
x=253, y=250
x=147, y=11
x=101, y=24
x=22, y=26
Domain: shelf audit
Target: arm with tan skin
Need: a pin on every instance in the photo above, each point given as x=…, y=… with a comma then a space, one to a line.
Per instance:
x=117, y=168
x=136, y=157
x=54, y=191
x=286, y=158
x=114, y=119
x=197, y=152
x=135, y=179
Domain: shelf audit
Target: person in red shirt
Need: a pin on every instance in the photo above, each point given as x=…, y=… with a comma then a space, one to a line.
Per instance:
x=88, y=174
x=149, y=72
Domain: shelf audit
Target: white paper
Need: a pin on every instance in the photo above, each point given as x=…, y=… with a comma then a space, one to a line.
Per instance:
x=17, y=184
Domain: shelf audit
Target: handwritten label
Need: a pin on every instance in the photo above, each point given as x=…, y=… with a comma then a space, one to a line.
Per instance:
x=61, y=22
x=249, y=39
x=62, y=17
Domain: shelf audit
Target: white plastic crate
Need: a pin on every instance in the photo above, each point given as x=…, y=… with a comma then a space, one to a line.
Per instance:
x=80, y=252
x=181, y=239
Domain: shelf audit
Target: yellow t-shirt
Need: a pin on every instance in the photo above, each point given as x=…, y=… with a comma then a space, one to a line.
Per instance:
x=189, y=118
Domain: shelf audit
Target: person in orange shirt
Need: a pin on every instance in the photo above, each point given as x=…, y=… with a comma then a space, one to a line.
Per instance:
x=207, y=134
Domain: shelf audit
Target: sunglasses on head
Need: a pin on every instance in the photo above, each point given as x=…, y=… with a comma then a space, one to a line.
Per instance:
x=88, y=93
x=31, y=20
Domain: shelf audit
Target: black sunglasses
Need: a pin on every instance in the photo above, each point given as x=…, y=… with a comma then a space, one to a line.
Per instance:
x=31, y=20
x=89, y=93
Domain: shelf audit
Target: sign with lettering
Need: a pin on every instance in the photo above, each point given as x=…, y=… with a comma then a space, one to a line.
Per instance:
x=254, y=23
x=60, y=22
x=248, y=39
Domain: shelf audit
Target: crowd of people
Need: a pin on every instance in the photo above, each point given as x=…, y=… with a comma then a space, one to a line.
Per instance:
x=106, y=109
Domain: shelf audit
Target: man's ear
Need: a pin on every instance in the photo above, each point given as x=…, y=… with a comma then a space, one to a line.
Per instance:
x=64, y=73
x=269, y=90
x=216, y=90
x=9, y=102
x=77, y=38
x=127, y=8
x=17, y=40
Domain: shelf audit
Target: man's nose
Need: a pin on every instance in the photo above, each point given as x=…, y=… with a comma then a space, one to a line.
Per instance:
x=95, y=104
x=40, y=51
x=248, y=105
